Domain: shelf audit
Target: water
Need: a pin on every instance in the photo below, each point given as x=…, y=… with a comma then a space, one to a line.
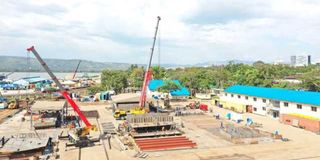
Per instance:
x=19, y=75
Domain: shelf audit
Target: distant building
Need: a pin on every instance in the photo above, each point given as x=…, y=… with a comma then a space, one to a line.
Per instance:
x=309, y=59
x=297, y=108
x=293, y=60
x=301, y=60
x=32, y=82
x=293, y=79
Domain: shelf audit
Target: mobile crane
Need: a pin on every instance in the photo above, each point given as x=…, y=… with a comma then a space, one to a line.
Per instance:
x=148, y=73
x=82, y=132
x=121, y=114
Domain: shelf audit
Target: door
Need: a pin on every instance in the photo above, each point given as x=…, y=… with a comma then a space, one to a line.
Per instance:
x=249, y=108
x=275, y=114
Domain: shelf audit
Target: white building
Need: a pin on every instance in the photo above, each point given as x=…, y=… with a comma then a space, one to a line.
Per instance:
x=300, y=108
x=301, y=60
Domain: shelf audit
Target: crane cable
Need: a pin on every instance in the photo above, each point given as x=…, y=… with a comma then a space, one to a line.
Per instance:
x=159, y=52
x=159, y=44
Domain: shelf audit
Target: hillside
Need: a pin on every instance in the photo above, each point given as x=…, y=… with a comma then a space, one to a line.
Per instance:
x=20, y=64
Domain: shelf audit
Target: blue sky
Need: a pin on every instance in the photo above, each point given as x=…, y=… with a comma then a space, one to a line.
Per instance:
x=193, y=31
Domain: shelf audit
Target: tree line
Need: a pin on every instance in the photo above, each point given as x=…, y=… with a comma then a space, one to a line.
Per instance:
x=202, y=79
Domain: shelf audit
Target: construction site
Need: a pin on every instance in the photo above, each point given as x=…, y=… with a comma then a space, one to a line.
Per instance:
x=145, y=125
x=197, y=135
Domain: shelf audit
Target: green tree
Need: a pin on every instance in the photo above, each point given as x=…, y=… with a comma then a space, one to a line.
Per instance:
x=311, y=80
x=168, y=87
x=136, y=77
x=114, y=80
x=158, y=72
x=95, y=89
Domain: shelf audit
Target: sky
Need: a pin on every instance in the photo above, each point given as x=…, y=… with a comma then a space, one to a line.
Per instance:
x=190, y=32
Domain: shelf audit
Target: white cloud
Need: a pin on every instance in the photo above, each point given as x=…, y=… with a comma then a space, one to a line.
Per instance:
x=193, y=31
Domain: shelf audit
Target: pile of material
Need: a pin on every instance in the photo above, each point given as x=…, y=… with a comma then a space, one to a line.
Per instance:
x=242, y=135
x=91, y=114
x=168, y=143
x=108, y=128
x=188, y=112
x=242, y=132
x=45, y=123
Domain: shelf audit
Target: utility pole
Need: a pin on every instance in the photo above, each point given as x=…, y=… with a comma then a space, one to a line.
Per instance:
x=29, y=107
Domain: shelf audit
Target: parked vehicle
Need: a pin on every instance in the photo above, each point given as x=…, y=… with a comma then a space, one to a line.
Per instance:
x=3, y=102
x=122, y=114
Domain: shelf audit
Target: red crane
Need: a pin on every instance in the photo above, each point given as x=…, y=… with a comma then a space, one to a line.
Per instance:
x=148, y=73
x=63, y=91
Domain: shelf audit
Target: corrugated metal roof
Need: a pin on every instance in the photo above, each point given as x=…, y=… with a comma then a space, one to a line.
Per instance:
x=28, y=80
x=304, y=97
x=155, y=83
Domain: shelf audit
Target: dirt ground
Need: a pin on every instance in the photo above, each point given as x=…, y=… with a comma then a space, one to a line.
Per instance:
x=302, y=145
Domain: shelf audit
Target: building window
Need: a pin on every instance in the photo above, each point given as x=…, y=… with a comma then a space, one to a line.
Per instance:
x=226, y=94
x=255, y=109
x=231, y=95
x=239, y=96
x=247, y=97
x=264, y=100
x=264, y=108
x=254, y=99
x=314, y=109
x=299, y=106
x=286, y=104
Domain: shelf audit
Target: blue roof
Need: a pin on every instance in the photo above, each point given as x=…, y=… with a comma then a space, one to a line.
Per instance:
x=155, y=83
x=34, y=79
x=304, y=97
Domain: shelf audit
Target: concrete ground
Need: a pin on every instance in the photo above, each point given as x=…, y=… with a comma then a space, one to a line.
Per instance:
x=302, y=145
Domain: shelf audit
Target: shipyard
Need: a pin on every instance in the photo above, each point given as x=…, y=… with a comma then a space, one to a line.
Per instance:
x=160, y=80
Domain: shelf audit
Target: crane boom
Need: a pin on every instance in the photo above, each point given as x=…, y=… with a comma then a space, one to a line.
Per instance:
x=75, y=71
x=148, y=73
x=9, y=74
x=65, y=93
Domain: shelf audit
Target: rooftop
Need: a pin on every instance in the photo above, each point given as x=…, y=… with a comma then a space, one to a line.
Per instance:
x=155, y=83
x=304, y=97
x=48, y=105
x=33, y=79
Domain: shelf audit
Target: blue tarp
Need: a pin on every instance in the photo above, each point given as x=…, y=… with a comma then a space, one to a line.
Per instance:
x=304, y=97
x=154, y=84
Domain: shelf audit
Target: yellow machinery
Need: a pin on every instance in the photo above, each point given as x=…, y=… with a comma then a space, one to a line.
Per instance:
x=121, y=114
x=14, y=104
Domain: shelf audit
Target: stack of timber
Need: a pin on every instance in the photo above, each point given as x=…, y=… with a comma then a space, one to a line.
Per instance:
x=108, y=128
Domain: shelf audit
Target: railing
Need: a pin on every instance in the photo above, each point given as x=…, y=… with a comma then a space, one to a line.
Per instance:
x=273, y=105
